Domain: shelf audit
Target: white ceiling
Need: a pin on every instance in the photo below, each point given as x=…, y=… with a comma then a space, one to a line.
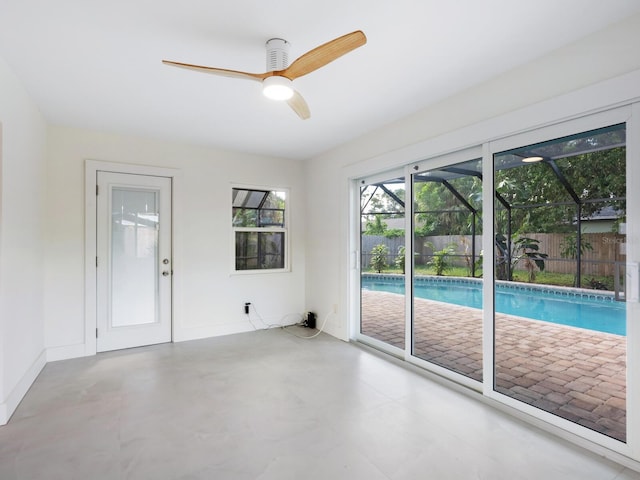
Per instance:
x=98, y=65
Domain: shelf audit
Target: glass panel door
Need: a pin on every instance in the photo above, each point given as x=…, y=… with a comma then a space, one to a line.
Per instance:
x=133, y=264
x=560, y=312
x=447, y=281
x=382, y=223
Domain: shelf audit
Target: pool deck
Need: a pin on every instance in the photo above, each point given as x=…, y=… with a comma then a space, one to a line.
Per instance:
x=574, y=373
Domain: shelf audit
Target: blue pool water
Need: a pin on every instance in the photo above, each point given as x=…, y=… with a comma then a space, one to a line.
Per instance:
x=584, y=311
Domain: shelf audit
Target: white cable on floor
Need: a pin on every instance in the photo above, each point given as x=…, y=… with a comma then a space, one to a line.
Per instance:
x=324, y=322
x=284, y=327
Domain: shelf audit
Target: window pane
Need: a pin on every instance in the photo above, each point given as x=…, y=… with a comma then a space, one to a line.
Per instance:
x=259, y=250
x=271, y=218
x=274, y=200
x=248, y=198
x=382, y=221
x=243, y=217
x=134, y=257
x=560, y=314
x=447, y=283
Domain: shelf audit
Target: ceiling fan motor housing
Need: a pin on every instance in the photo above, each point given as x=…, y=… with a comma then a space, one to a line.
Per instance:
x=277, y=54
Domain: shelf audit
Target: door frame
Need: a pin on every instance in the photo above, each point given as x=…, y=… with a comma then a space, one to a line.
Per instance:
x=92, y=167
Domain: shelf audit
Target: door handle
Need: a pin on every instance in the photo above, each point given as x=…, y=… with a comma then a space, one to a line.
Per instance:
x=165, y=273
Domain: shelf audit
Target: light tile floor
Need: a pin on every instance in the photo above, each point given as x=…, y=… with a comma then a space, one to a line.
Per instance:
x=574, y=373
x=267, y=405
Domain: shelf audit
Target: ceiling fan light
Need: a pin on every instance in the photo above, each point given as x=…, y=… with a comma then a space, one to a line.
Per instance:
x=277, y=88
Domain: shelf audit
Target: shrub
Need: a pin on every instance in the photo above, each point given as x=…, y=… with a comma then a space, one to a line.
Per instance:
x=440, y=261
x=379, y=257
x=523, y=248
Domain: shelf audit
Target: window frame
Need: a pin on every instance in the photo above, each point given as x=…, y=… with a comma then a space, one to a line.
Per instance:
x=284, y=230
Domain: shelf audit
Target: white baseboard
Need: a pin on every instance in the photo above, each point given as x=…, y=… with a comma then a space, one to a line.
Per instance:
x=66, y=352
x=20, y=390
x=197, y=333
x=218, y=330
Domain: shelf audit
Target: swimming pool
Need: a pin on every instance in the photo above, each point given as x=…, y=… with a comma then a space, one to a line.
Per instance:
x=574, y=307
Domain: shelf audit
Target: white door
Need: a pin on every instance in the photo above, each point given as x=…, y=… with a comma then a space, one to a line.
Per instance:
x=133, y=260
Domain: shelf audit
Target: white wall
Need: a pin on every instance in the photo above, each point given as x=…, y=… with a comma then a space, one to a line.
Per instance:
x=441, y=128
x=208, y=300
x=22, y=191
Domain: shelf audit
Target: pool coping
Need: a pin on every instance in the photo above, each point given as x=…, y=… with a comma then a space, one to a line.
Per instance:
x=585, y=293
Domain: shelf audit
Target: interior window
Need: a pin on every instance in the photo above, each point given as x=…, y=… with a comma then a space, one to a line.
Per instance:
x=258, y=222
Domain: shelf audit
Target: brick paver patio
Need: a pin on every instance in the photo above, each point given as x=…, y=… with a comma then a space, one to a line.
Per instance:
x=574, y=373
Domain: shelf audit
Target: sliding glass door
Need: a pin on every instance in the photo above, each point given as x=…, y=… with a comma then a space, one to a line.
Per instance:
x=560, y=216
x=518, y=274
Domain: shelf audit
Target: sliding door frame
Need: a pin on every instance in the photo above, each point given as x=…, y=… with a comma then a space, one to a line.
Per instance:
x=624, y=112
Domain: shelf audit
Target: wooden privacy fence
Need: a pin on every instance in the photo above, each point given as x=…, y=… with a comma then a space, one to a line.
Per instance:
x=607, y=250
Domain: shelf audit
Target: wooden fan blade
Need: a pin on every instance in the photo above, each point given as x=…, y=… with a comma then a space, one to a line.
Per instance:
x=324, y=54
x=298, y=104
x=219, y=71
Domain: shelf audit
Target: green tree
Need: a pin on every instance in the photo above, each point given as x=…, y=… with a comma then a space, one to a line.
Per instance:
x=378, y=203
x=377, y=227
x=542, y=202
x=439, y=212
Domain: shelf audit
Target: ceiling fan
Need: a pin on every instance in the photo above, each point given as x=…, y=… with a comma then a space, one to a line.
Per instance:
x=277, y=81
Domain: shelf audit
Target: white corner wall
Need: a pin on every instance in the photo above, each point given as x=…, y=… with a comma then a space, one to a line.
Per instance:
x=607, y=54
x=22, y=193
x=208, y=300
